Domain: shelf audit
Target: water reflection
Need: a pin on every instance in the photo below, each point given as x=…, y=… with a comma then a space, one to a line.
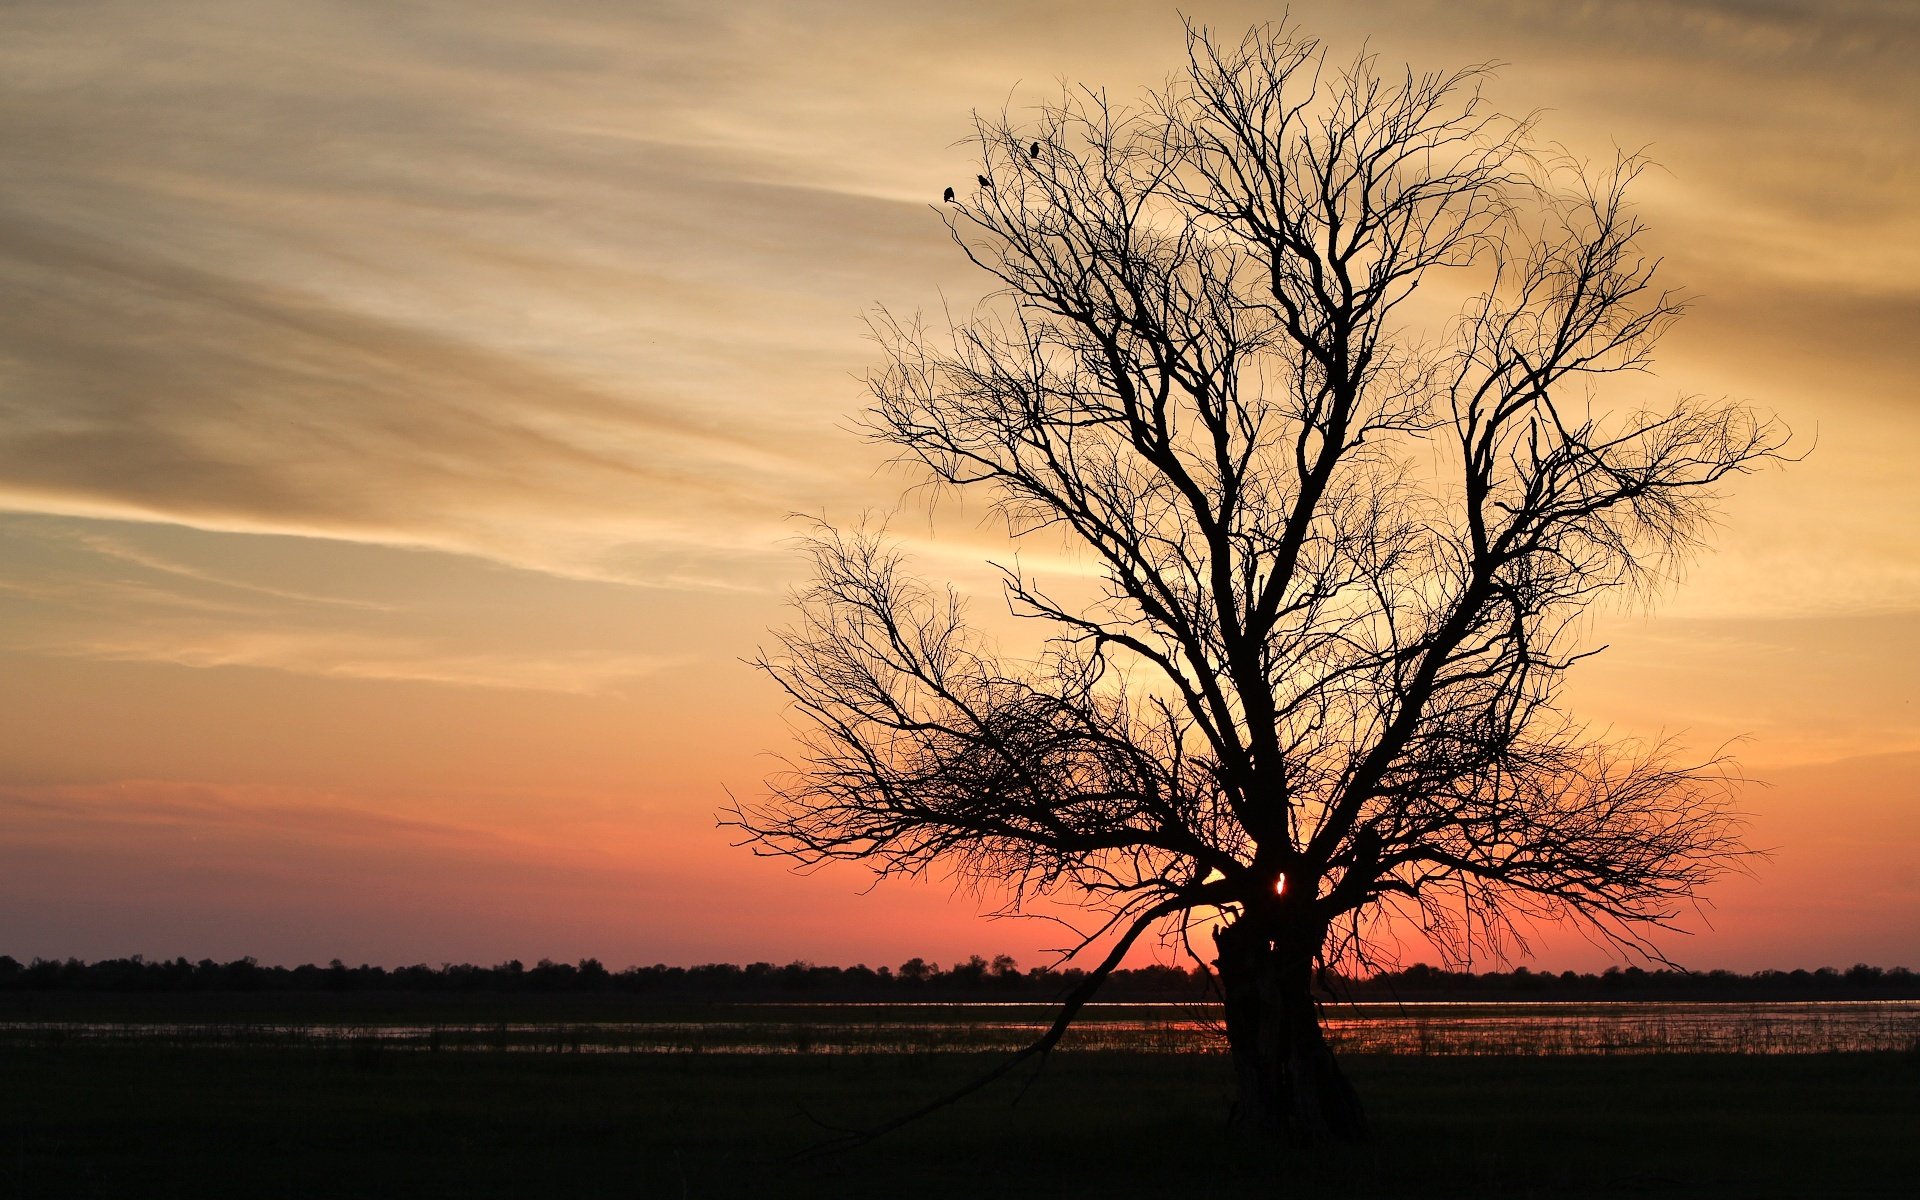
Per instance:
x=1385, y=1028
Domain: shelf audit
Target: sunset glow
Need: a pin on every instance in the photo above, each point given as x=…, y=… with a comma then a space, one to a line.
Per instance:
x=402, y=414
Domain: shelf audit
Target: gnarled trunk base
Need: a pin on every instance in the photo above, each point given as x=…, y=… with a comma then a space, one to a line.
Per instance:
x=1289, y=1083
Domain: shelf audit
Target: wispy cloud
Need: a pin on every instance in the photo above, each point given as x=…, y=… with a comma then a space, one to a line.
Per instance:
x=251, y=408
x=501, y=285
x=575, y=287
x=335, y=654
x=118, y=593
x=119, y=549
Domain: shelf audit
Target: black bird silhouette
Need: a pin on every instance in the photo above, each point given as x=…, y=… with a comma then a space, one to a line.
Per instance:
x=1033, y=151
x=985, y=182
x=1366, y=849
x=948, y=197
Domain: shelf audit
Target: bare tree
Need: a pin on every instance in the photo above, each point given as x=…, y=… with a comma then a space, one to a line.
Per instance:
x=1342, y=561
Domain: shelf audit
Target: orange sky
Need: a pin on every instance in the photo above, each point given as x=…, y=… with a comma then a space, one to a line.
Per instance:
x=400, y=410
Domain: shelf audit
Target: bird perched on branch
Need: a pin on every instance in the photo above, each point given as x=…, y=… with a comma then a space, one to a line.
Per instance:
x=985, y=182
x=1033, y=151
x=1366, y=849
x=947, y=197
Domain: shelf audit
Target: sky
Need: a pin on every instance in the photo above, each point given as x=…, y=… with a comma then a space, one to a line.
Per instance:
x=404, y=409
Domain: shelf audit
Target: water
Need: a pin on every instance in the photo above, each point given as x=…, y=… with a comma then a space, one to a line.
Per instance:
x=1541, y=1028
x=1630, y=1028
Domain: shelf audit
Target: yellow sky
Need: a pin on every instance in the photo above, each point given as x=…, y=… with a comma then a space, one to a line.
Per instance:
x=401, y=408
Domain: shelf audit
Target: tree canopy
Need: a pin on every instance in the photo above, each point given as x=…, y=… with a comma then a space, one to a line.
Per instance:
x=1306, y=359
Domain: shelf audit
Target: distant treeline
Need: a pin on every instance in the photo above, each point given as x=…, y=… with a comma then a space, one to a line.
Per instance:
x=917, y=979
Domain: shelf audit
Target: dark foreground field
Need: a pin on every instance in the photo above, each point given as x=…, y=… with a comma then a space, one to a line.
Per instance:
x=157, y=1121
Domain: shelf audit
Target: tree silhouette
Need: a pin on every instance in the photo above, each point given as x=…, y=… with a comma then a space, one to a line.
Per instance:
x=1342, y=553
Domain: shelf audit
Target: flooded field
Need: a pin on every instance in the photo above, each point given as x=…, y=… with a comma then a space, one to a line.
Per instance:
x=1446, y=1028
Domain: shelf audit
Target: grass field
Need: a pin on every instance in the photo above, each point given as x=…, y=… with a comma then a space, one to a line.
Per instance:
x=160, y=1121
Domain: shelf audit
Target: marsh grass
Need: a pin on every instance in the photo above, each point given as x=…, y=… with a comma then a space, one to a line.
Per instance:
x=361, y=1117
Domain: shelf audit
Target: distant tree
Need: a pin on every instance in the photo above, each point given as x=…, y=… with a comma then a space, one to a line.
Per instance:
x=969, y=974
x=1342, y=556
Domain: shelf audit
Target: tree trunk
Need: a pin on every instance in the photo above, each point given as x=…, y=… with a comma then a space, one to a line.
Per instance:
x=1289, y=1083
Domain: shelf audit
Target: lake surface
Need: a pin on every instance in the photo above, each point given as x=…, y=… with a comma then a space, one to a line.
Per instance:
x=1540, y=1028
